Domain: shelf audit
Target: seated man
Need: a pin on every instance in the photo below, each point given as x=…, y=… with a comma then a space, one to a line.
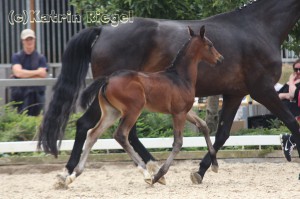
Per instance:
x=28, y=63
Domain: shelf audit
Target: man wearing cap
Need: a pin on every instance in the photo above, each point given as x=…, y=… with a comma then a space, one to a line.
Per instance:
x=28, y=63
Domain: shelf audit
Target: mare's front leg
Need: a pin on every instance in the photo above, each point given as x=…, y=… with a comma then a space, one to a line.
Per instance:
x=229, y=109
x=178, y=125
x=202, y=126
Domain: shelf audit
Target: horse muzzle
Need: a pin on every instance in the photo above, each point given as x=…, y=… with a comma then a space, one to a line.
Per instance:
x=220, y=59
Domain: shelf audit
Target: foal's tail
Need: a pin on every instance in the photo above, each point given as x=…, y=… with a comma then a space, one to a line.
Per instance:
x=89, y=93
x=75, y=64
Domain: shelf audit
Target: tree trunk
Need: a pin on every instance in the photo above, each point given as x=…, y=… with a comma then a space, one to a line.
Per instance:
x=212, y=113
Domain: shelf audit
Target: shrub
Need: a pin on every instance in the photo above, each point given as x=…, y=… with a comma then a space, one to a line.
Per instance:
x=21, y=127
x=15, y=126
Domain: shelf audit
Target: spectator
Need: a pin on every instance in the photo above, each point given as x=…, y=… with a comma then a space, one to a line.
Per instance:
x=289, y=92
x=28, y=63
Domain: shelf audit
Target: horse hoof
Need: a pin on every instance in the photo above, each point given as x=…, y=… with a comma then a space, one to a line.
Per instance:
x=153, y=168
x=215, y=168
x=148, y=181
x=61, y=182
x=196, y=178
x=162, y=181
x=70, y=178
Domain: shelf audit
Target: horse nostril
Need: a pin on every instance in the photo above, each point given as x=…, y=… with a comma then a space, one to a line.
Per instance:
x=220, y=59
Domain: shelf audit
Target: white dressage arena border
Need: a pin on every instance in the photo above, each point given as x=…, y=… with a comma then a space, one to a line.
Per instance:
x=107, y=144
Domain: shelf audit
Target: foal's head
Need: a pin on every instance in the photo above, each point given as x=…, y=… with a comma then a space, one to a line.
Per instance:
x=205, y=49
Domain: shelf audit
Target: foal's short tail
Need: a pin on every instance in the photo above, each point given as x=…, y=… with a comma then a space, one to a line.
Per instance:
x=89, y=93
x=75, y=63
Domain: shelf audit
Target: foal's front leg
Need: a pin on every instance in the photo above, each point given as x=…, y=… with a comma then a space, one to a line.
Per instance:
x=178, y=125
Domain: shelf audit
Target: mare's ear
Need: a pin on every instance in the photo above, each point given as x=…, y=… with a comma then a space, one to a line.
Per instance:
x=191, y=32
x=202, y=31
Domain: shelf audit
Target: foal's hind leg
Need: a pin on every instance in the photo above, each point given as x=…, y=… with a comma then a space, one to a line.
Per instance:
x=121, y=136
x=202, y=126
x=109, y=116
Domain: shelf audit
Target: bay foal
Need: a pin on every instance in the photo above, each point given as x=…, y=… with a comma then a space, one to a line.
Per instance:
x=126, y=93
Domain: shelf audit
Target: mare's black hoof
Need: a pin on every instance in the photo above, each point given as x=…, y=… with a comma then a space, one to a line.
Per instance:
x=215, y=168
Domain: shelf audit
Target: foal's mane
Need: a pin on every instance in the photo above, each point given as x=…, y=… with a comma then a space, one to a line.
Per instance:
x=180, y=53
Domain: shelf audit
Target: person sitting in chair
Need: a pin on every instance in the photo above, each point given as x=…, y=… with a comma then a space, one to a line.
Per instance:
x=28, y=63
x=287, y=92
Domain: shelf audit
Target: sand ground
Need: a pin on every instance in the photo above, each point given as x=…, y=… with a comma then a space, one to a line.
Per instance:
x=236, y=179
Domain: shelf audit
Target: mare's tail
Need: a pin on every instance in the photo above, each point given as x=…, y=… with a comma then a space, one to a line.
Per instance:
x=75, y=63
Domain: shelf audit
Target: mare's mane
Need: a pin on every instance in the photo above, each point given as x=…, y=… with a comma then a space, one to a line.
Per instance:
x=249, y=3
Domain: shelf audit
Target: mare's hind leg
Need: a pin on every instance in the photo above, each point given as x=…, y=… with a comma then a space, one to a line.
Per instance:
x=86, y=122
x=202, y=126
x=109, y=116
x=139, y=147
x=178, y=125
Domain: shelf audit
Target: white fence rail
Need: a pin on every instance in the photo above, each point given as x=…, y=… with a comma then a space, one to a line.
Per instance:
x=108, y=144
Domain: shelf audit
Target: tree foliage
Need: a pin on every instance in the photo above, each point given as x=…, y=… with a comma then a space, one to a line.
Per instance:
x=163, y=9
x=170, y=9
x=293, y=43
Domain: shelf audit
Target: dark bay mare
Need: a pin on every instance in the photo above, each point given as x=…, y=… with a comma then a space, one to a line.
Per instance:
x=126, y=93
x=249, y=39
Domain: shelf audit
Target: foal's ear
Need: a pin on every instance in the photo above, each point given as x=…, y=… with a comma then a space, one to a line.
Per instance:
x=202, y=31
x=191, y=32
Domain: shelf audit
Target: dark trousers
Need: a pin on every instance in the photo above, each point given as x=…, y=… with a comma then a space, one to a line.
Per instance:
x=293, y=107
x=32, y=102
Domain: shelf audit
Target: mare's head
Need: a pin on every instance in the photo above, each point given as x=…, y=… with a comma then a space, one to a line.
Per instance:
x=204, y=48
